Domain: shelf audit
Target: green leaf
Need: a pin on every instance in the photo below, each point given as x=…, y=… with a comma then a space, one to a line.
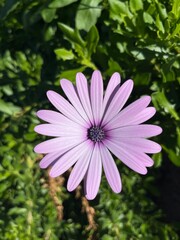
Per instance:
x=9, y=6
x=135, y=5
x=62, y=53
x=173, y=156
x=176, y=30
x=176, y=9
x=7, y=90
x=88, y=13
x=157, y=159
x=167, y=70
x=49, y=33
x=30, y=136
x=71, y=34
x=159, y=24
x=159, y=99
x=147, y=18
x=70, y=74
x=87, y=62
x=162, y=10
x=118, y=8
x=48, y=14
x=138, y=54
x=113, y=67
x=142, y=78
x=60, y=3
x=8, y=108
x=17, y=210
x=92, y=40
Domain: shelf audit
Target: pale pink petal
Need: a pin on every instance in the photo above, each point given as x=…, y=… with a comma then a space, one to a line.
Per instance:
x=143, y=116
x=143, y=157
x=114, y=82
x=129, y=112
x=80, y=169
x=94, y=174
x=68, y=159
x=55, y=118
x=118, y=101
x=83, y=92
x=58, y=144
x=66, y=108
x=50, y=158
x=138, y=144
x=126, y=157
x=97, y=96
x=110, y=169
x=70, y=92
x=85, y=184
x=56, y=130
x=144, y=130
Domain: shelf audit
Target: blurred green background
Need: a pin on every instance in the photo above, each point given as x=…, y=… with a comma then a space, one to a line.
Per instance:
x=42, y=41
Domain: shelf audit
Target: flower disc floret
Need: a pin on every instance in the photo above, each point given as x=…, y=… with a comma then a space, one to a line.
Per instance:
x=96, y=134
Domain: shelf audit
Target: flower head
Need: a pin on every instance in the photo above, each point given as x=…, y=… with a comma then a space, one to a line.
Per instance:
x=91, y=126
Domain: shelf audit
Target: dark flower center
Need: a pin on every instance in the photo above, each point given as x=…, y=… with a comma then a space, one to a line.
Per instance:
x=96, y=134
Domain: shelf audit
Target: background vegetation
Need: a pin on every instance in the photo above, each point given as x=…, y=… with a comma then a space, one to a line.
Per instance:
x=42, y=41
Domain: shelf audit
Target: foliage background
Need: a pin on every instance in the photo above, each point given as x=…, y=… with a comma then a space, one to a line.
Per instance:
x=43, y=41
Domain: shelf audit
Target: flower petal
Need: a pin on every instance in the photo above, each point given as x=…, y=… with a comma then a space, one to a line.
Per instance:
x=55, y=117
x=66, y=108
x=143, y=116
x=110, y=169
x=58, y=144
x=83, y=92
x=80, y=169
x=126, y=157
x=144, y=130
x=138, y=144
x=96, y=96
x=114, y=82
x=129, y=112
x=68, y=159
x=118, y=101
x=70, y=92
x=94, y=174
x=143, y=157
x=50, y=158
x=56, y=130
x=85, y=184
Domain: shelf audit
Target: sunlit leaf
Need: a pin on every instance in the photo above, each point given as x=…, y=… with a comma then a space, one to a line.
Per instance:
x=176, y=8
x=87, y=14
x=64, y=54
x=8, y=107
x=71, y=34
x=92, y=40
x=70, y=74
x=136, y=5
x=48, y=14
x=159, y=24
x=147, y=18
x=60, y=3
x=160, y=99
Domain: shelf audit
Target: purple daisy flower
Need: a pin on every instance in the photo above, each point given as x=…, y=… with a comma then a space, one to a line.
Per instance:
x=91, y=126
